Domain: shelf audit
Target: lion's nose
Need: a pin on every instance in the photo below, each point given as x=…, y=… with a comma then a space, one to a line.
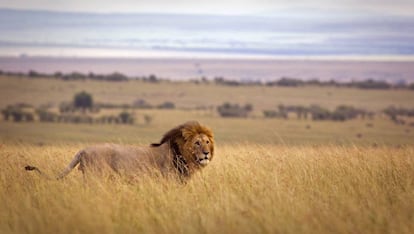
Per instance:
x=206, y=153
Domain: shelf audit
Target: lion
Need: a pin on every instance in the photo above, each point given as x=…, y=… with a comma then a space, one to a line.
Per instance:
x=182, y=151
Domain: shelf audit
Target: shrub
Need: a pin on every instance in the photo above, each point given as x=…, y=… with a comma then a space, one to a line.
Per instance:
x=319, y=113
x=66, y=107
x=126, y=118
x=152, y=79
x=222, y=81
x=234, y=110
x=28, y=117
x=45, y=115
x=6, y=115
x=393, y=111
x=274, y=114
x=33, y=74
x=344, y=112
x=371, y=84
x=142, y=104
x=289, y=82
x=17, y=113
x=167, y=105
x=74, y=76
x=116, y=76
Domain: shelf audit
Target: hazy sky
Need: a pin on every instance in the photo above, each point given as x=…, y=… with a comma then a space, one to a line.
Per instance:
x=292, y=27
x=394, y=7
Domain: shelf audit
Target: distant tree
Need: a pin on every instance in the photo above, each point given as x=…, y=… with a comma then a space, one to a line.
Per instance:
x=248, y=107
x=33, y=73
x=126, y=118
x=319, y=113
x=58, y=74
x=74, y=76
x=83, y=100
x=29, y=117
x=141, y=103
x=45, y=116
x=394, y=112
x=274, y=114
x=290, y=82
x=152, y=78
x=371, y=84
x=116, y=76
x=343, y=112
x=167, y=105
x=234, y=110
x=65, y=107
x=18, y=115
x=6, y=114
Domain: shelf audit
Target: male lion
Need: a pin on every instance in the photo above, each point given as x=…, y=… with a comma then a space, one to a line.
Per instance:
x=183, y=150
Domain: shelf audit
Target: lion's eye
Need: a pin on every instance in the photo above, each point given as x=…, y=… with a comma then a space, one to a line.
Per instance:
x=198, y=143
x=208, y=142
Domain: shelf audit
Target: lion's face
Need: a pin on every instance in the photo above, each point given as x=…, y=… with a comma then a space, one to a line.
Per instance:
x=201, y=149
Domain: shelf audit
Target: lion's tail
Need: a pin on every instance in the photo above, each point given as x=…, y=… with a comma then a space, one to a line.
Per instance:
x=32, y=168
x=75, y=161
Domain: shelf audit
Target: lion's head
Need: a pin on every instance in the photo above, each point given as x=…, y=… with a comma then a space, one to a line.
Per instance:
x=192, y=142
x=198, y=143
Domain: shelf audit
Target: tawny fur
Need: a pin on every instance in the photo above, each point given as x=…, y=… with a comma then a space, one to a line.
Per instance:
x=183, y=150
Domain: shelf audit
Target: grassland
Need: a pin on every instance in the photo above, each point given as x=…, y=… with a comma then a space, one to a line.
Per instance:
x=379, y=131
x=191, y=95
x=249, y=188
x=268, y=175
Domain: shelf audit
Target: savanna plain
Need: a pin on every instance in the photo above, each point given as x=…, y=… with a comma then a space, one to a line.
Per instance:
x=268, y=175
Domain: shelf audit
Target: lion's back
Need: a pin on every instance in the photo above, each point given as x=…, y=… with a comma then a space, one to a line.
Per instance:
x=121, y=157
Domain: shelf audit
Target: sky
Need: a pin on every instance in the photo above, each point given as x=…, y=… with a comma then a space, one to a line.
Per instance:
x=357, y=28
x=384, y=7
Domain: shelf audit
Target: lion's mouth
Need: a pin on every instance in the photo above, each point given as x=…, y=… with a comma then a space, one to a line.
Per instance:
x=203, y=161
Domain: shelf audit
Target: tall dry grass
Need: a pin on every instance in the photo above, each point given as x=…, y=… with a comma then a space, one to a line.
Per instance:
x=246, y=189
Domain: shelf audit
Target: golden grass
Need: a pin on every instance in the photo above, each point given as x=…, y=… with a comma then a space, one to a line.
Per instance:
x=249, y=188
x=268, y=176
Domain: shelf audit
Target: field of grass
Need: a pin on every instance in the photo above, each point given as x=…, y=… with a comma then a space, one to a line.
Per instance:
x=379, y=131
x=248, y=188
x=268, y=175
x=190, y=95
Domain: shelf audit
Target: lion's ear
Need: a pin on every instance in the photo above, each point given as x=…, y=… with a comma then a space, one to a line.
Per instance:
x=187, y=133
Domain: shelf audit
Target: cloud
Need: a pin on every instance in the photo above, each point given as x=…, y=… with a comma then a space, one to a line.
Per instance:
x=397, y=7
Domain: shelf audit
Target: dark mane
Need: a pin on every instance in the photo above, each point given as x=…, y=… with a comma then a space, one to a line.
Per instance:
x=175, y=134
